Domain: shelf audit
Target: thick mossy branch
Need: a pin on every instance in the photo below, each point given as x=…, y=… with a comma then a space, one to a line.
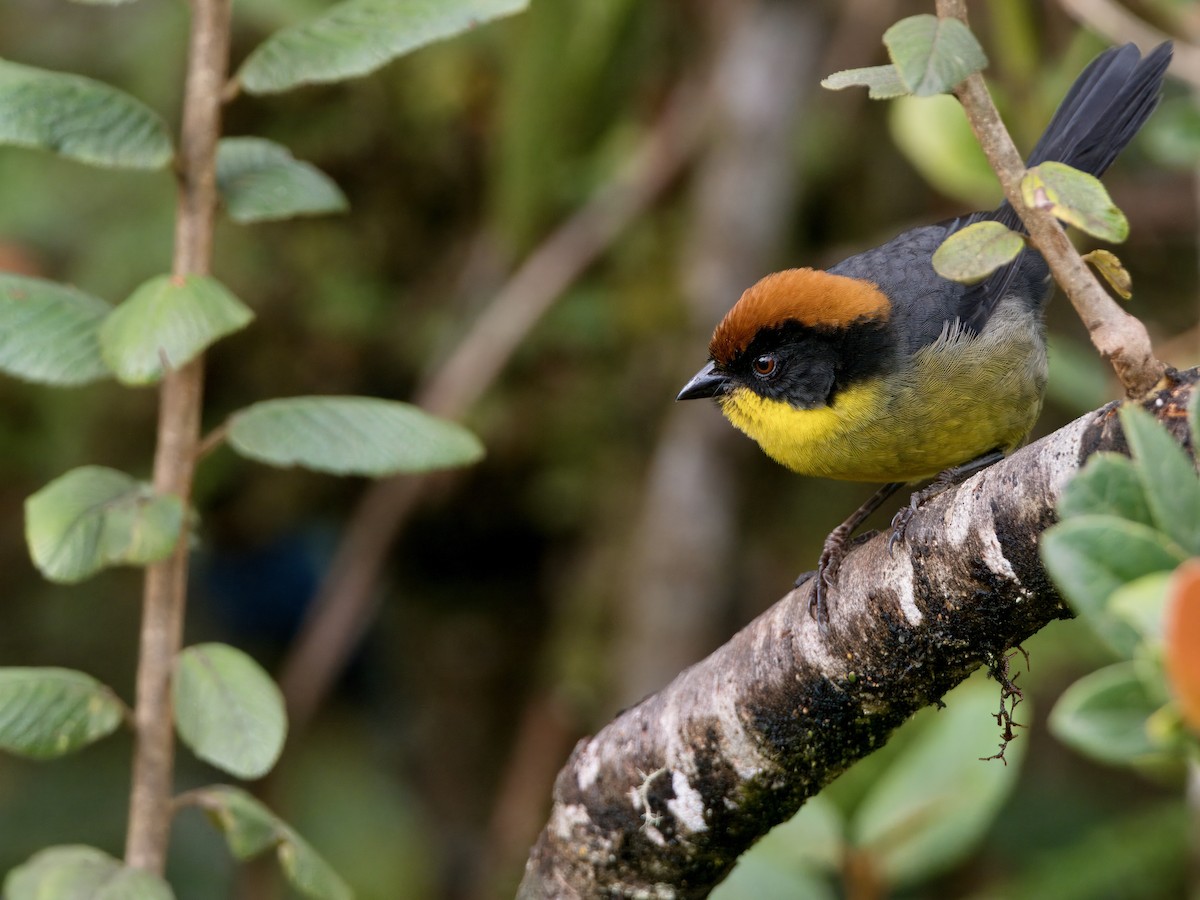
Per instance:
x=661, y=802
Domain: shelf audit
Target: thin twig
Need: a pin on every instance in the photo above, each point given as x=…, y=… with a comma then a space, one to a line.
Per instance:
x=345, y=605
x=175, y=454
x=212, y=440
x=1119, y=337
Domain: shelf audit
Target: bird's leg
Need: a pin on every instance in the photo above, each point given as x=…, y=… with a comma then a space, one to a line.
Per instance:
x=950, y=477
x=835, y=550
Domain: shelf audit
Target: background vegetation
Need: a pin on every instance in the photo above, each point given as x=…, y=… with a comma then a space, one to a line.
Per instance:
x=609, y=538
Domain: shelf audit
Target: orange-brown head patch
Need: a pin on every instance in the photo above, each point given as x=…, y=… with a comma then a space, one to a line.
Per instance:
x=809, y=296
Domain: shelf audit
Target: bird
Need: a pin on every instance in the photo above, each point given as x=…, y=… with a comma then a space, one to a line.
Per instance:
x=880, y=370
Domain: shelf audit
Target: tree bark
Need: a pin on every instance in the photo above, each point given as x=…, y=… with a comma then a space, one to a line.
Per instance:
x=662, y=801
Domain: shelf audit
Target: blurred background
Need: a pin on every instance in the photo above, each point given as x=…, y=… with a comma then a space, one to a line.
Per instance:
x=548, y=216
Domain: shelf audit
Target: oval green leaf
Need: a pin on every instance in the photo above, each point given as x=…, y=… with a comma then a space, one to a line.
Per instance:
x=935, y=137
x=933, y=55
x=356, y=37
x=1076, y=198
x=168, y=321
x=80, y=119
x=94, y=517
x=48, y=332
x=49, y=712
x=1108, y=484
x=1141, y=602
x=914, y=826
x=881, y=82
x=228, y=710
x=1103, y=715
x=81, y=873
x=250, y=828
x=308, y=872
x=1168, y=476
x=1090, y=557
x=975, y=252
x=260, y=181
x=351, y=436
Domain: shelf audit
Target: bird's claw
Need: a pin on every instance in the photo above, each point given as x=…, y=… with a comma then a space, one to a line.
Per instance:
x=899, y=526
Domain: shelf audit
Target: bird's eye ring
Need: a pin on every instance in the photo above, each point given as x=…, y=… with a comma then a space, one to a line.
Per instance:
x=765, y=365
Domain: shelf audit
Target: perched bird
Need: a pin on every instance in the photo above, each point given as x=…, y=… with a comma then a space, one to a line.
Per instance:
x=880, y=370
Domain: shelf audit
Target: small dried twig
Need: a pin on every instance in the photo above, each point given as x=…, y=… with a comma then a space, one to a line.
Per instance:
x=1010, y=696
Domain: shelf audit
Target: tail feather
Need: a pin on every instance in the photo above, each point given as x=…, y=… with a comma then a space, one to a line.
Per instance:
x=1105, y=107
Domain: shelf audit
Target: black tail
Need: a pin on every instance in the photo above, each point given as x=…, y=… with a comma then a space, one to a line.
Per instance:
x=1106, y=106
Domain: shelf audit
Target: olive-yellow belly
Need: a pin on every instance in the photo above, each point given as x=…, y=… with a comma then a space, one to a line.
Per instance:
x=957, y=399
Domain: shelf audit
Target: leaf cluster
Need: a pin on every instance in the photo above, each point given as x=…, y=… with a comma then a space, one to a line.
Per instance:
x=227, y=710
x=1125, y=556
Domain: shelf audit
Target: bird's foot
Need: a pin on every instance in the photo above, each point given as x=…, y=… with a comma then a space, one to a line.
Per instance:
x=828, y=564
x=900, y=523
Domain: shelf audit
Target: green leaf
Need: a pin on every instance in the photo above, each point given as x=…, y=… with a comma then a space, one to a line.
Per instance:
x=49, y=712
x=75, y=872
x=48, y=331
x=228, y=710
x=793, y=859
x=1108, y=484
x=350, y=436
x=1090, y=557
x=932, y=55
x=1103, y=715
x=935, y=137
x=94, y=517
x=307, y=871
x=913, y=825
x=168, y=320
x=250, y=829
x=1076, y=198
x=975, y=252
x=356, y=37
x=1111, y=269
x=260, y=181
x=1168, y=475
x=1140, y=603
x=248, y=826
x=881, y=82
x=80, y=119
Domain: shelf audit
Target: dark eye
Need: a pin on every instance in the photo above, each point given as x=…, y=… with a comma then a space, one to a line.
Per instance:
x=765, y=365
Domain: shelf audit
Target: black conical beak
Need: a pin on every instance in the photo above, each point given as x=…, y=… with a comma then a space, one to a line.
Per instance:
x=708, y=382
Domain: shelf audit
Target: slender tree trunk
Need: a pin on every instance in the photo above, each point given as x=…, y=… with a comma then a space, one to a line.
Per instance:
x=165, y=591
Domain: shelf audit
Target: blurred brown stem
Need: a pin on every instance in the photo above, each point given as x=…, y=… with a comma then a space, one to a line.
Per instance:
x=1118, y=24
x=165, y=590
x=344, y=606
x=1120, y=338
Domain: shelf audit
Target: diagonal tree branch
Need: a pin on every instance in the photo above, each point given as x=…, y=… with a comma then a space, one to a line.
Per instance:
x=662, y=801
